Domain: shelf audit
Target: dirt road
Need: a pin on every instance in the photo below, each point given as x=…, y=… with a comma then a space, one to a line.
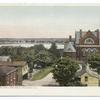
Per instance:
x=47, y=81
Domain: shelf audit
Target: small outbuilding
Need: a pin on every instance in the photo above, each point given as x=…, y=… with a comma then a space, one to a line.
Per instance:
x=87, y=76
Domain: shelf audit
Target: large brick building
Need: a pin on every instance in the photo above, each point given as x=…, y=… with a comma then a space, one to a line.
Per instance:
x=8, y=76
x=22, y=70
x=86, y=42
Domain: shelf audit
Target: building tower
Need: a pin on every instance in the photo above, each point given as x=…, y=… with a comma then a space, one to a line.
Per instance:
x=69, y=49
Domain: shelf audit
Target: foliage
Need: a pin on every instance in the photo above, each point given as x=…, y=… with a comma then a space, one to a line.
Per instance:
x=53, y=49
x=19, y=54
x=45, y=57
x=31, y=54
x=38, y=48
x=64, y=72
x=94, y=61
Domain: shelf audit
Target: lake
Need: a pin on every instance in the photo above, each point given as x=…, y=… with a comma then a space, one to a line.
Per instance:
x=46, y=45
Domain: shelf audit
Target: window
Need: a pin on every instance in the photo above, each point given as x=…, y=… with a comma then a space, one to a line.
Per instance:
x=14, y=75
x=86, y=78
x=91, y=50
x=89, y=41
x=84, y=52
x=7, y=82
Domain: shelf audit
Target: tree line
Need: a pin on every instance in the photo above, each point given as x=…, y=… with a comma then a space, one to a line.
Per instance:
x=32, y=54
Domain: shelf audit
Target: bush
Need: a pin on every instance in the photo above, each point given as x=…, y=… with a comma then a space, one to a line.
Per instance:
x=64, y=72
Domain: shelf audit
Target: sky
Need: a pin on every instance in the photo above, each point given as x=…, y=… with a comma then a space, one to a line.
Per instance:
x=47, y=21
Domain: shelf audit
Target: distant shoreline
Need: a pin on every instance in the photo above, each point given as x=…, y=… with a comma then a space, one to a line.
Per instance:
x=27, y=45
x=33, y=40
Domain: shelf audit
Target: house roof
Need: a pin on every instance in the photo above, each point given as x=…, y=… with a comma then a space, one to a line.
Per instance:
x=20, y=63
x=4, y=58
x=69, y=47
x=86, y=69
x=15, y=63
x=4, y=70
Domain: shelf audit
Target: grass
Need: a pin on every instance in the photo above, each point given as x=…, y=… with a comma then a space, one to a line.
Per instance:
x=42, y=73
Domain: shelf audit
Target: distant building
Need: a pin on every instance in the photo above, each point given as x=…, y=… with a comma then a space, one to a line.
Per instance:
x=87, y=76
x=5, y=59
x=85, y=43
x=8, y=76
x=69, y=49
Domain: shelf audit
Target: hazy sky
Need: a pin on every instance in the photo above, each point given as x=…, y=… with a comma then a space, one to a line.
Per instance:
x=47, y=21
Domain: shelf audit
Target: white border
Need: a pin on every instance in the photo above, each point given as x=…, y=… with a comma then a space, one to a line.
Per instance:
x=49, y=4
x=50, y=98
x=49, y=91
x=49, y=1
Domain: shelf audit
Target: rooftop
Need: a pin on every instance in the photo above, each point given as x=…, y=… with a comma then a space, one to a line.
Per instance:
x=15, y=63
x=69, y=47
x=4, y=70
x=86, y=69
x=4, y=58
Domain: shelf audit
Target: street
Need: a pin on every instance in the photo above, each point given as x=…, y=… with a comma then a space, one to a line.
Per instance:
x=47, y=81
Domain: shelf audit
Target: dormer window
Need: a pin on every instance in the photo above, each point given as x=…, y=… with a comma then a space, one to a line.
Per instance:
x=69, y=49
x=89, y=41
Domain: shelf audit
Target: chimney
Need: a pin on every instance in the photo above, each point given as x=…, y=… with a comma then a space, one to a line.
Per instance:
x=80, y=32
x=89, y=30
x=70, y=38
x=97, y=32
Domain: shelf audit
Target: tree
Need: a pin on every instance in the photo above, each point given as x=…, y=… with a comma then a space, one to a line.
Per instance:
x=44, y=57
x=5, y=50
x=64, y=72
x=94, y=61
x=53, y=49
x=38, y=48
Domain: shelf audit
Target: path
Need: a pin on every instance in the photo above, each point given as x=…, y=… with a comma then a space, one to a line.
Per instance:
x=47, y=81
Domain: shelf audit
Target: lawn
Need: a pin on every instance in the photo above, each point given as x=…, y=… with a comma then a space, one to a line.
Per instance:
x=42, y=73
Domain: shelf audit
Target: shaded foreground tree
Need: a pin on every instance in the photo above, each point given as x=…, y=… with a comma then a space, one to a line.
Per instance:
x=64, y=72
x=94, y=61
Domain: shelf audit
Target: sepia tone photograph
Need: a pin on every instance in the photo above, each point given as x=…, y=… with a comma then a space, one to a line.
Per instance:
x=50, y=45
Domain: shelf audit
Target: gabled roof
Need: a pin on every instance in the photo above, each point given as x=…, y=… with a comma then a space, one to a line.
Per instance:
x=86, y=69
x=14, y=63
x=69, y=47
x=4, y=70
x=4, y=58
